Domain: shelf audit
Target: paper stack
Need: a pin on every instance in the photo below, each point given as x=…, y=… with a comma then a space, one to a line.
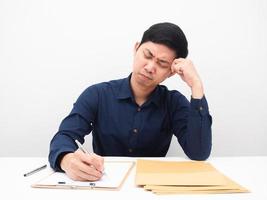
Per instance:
x=187, y=177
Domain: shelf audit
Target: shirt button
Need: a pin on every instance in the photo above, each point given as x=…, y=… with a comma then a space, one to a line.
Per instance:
x=200, y=108
x=130, y=150
x=139, y=109
x=135, y=130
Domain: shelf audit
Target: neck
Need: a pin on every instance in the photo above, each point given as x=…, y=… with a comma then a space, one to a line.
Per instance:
x=140, y=92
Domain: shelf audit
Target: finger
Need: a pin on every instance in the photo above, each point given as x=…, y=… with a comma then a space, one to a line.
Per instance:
x=83, y=157
x=178, y=69
x=85, y=165
x=92, y=160
x=90, y=170
x=177, y=66
x=82, y=176
x=98, y=162
x=178, y=60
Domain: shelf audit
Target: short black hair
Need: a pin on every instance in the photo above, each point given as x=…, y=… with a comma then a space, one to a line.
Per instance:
x=168, y=34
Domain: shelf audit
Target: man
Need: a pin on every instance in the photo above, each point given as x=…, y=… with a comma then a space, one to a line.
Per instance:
x=136, y=116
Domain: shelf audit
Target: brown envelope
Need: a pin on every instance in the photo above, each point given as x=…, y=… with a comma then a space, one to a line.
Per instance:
x=188, y=177
x=150, y=172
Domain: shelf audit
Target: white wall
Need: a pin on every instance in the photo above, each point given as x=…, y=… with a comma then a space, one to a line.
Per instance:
x=51, y=50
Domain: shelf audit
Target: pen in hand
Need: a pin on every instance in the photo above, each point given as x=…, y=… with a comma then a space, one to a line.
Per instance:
x=80, y=146
x=35, y=170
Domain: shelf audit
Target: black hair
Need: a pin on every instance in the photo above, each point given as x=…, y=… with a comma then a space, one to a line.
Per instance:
x=169, y=35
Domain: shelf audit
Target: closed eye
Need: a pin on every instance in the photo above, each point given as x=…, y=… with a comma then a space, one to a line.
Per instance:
x=148, y=54
x=163, y=63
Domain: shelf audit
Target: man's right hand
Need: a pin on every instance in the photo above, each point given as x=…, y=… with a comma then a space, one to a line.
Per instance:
x=80, y=166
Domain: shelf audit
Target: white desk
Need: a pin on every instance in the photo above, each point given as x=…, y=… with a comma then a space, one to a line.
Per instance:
x=251, y=172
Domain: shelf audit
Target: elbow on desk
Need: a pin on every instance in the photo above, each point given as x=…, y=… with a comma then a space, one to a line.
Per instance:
x=199, y=155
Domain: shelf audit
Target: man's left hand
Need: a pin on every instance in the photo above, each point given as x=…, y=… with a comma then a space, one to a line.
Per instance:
x=186, y=70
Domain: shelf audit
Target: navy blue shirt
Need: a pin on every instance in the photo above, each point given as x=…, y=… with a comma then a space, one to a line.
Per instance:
x=122, y=128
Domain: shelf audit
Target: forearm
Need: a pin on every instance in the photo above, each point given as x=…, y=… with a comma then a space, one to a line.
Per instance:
x=72, y=127
x=60, y=144
x=196, y=138
x=197, y=90
x=197, y=144
x=76, y=125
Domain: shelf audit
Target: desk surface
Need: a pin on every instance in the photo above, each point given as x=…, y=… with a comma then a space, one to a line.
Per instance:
x=251, y=172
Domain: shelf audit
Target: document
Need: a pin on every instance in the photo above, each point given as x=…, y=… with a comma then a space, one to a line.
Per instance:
x=115, y=174
x=187, y=177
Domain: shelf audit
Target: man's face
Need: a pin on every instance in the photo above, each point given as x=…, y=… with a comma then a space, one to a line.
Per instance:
x=152, y=64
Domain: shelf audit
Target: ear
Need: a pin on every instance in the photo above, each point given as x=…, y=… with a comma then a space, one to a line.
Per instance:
x=136, y=46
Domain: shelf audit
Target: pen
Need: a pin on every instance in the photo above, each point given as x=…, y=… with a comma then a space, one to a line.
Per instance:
x=35, y=170
x=84, y=150
x=81, y=147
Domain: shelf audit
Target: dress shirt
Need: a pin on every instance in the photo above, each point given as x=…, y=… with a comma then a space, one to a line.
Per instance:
x=120, y=127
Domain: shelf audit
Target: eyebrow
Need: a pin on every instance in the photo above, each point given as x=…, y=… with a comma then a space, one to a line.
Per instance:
x=160, y=60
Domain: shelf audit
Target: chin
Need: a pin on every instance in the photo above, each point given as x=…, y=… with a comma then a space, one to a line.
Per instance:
x=147, y=84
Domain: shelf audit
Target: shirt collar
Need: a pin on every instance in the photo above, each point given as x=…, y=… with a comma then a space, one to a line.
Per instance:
x=125, y=92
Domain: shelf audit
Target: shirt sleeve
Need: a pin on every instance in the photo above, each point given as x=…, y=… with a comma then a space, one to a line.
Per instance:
x=192, y=126
x=75, y=126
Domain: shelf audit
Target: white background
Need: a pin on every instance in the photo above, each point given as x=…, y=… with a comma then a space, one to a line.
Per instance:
x=51, y=50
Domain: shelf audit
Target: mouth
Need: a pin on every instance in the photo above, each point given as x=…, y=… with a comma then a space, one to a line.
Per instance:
x=147, y=77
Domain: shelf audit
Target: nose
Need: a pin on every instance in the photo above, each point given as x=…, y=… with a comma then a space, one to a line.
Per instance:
x=150, y=67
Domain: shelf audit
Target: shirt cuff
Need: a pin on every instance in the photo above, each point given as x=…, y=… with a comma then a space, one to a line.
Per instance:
x=200, y=106
x=55, y=162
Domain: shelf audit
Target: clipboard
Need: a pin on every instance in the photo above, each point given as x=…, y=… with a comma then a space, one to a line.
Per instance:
x=115, y=174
